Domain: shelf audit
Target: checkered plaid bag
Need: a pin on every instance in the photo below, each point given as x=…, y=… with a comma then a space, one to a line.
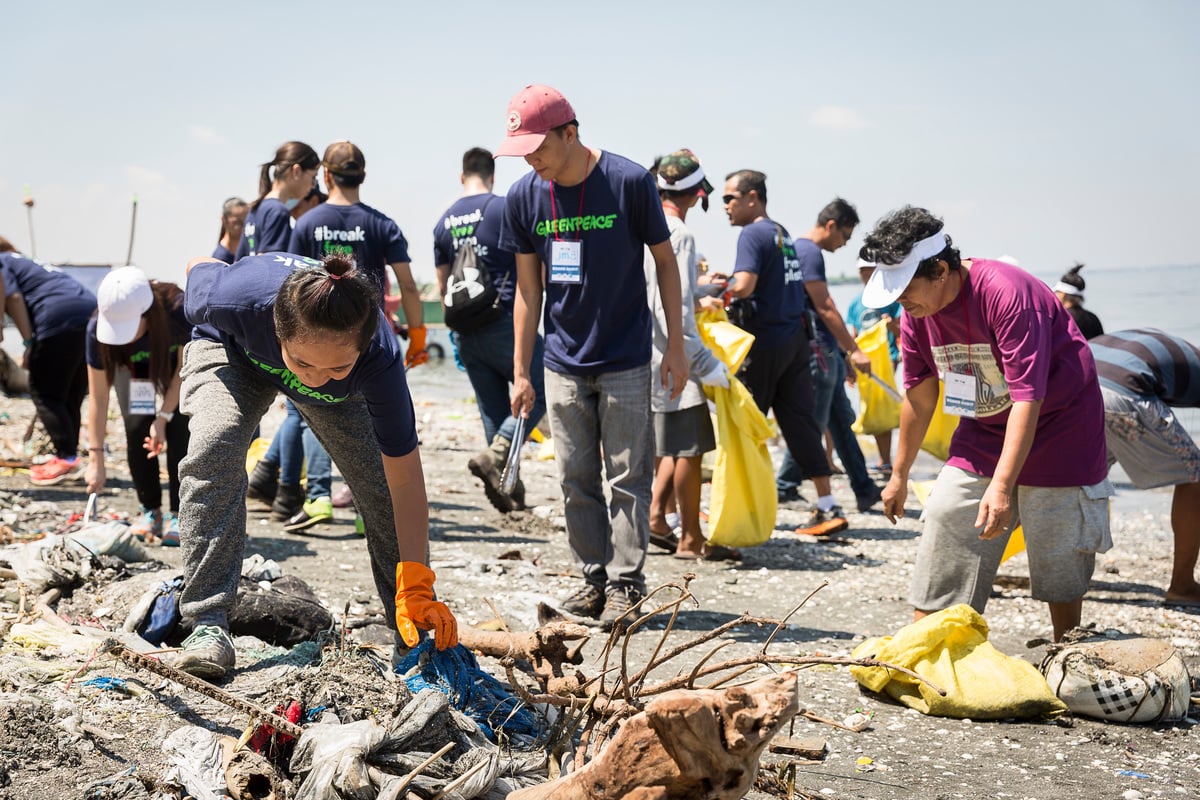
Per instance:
x=1120, y=680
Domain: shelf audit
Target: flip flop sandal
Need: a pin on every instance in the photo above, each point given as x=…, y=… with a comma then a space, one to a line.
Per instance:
x=667, y=541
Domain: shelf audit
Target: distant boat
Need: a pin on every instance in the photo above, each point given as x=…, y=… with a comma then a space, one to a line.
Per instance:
x=842, y=280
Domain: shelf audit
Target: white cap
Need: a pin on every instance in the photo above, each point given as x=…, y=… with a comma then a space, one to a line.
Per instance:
x=889, y=281
x=123, y=296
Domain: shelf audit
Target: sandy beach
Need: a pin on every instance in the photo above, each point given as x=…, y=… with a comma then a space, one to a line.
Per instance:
x=519, y=560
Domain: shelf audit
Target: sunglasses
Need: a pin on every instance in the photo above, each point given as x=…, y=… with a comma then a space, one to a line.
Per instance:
x=729, y=198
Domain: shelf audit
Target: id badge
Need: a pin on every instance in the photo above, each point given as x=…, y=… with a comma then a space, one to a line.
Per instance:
x=566, y=262
x=960, y=395
x=141, y=398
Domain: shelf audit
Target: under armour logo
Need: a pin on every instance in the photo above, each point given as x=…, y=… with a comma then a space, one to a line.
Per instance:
x=470, y=283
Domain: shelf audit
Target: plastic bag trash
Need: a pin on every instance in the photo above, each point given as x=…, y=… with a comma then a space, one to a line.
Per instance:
x=47, y=563
x=332, y=760
x=257, y=568
x=110, y=539
x=195, y=762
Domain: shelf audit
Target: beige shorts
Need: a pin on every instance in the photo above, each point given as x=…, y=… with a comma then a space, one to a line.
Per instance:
x=1064, y=528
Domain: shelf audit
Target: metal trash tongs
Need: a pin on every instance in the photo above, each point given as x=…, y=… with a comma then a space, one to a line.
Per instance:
x=512, y=467
x=887, y=387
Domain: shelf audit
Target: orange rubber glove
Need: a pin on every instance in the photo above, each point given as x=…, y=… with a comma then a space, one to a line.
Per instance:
x=416, y=354
x=416, y=608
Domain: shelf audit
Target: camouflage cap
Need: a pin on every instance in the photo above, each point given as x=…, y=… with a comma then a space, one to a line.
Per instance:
x=681, y=171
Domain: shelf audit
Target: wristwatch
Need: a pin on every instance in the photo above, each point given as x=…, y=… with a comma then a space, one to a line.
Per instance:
x=166, y=415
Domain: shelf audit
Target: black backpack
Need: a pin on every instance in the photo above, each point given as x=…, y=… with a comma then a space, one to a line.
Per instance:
x=472, y=300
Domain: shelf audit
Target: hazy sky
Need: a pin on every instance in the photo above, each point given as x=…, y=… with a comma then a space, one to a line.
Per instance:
x=1051, y=131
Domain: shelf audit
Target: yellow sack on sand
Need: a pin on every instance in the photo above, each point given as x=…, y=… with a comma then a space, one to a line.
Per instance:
x=1016, y=542
x=878, y=412
x=950, y=648
x=741, y=509
x=941, y=428
x=727, y=341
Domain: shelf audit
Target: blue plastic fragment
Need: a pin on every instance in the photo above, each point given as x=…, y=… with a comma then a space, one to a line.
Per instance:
x=105, y=682
x=1128, y=773
x=455, y=672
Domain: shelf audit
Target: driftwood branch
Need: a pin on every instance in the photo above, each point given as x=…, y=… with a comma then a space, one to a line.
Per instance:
x=205, y=688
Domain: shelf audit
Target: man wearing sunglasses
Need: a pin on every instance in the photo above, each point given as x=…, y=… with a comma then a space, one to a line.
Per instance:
x=767, y=273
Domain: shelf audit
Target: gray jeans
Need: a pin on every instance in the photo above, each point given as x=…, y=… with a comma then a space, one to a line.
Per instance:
x=225, y=399
x=605, y=417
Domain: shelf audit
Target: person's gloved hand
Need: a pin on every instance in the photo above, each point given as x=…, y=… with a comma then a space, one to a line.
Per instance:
x=416, y=354
x=416, y=608
x=718, y=376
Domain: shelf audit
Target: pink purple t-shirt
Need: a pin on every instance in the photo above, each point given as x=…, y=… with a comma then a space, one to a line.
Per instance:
x=1007, y=329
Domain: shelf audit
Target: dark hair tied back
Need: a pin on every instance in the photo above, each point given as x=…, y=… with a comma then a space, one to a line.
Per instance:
x=1073, y=278
x=336, y=299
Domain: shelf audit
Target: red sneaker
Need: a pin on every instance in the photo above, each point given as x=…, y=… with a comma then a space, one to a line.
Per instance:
x=54, y=471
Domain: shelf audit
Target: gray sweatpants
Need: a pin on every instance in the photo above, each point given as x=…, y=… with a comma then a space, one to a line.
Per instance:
x=226, y=398
x=604, y=420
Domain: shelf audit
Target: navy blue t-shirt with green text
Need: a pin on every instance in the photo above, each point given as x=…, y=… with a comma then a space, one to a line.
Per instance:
x=368, y=236
x=268, y=229
x=235, y=305
x=475, y=220
x=765, y=249
x=602, y=323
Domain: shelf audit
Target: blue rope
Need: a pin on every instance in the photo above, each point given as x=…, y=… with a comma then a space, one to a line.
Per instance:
x=455, y=672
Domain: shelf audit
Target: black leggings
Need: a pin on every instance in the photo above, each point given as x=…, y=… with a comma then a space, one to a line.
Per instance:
x=144, y=471
x=58, y=384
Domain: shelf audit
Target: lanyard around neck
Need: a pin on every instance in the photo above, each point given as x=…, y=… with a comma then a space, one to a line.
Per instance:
x=582, y=187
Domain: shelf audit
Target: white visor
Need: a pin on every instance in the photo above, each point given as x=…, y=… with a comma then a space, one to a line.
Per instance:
x=684, y=183
x=1067, y=288
x=889, y=281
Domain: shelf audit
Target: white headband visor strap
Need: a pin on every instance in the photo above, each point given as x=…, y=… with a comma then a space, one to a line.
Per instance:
x=683, y=183
x=1067, y=288
x=926, y=248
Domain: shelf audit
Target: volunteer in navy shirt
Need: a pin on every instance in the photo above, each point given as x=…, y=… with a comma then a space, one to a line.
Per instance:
x=578, y=225
x=485, y=338
x=50, y=309
x=370, y=237
x=134, y=343
x=282, y=183
x=767, y=276
x=344, y=372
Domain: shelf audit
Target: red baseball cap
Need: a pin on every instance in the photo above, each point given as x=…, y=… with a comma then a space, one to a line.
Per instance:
x=532, y=114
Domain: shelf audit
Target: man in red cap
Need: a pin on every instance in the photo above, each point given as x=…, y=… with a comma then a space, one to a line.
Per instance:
x=578, y=225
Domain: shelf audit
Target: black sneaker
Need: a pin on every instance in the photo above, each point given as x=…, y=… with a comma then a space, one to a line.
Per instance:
x=864, y=503
x=617, y=603
x=586, y=602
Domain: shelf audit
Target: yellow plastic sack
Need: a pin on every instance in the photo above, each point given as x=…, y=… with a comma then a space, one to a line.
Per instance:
x=727, y=341
x=878, y=412
x=741, y=509
x=1016, y=542
x=950, y=648
x=258, y=449
x=941, y=428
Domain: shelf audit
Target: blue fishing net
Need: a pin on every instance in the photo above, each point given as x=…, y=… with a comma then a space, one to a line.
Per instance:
x=455, y=672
